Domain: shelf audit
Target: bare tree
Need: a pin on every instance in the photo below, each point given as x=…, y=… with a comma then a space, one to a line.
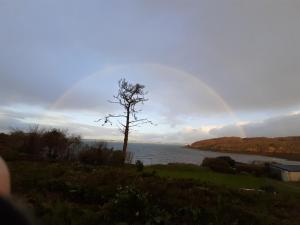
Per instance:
x=129, y=95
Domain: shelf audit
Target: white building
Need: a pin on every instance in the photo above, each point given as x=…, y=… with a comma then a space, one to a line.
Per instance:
x=286, y=172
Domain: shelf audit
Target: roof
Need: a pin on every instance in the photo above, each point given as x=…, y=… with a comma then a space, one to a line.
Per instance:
x=290, y=168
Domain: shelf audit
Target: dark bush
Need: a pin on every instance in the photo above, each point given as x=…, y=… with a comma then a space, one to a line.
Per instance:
x=34, y=143
x=257, y=170
x=16, y=140
x=38, y=144
x=139, y=165
x=101, y=155
x=130, y=205
x=116, y=157
x=230, y=161
x=56, y=143
x=218, y=165
x=9, y=154
x=94, y=155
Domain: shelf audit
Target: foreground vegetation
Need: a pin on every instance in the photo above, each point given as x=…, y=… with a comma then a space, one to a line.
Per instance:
x=59, y=180
x=230, y=181
x=56, y=145
x=75, y=193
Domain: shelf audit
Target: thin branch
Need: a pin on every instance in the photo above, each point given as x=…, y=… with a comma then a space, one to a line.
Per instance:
x=137, y=123
x=114, y=116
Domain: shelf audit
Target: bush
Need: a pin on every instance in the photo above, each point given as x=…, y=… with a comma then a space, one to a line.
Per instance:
x=9, y=154
x=56, y=143
x=230, y=161
x=38, y=143
x=101, y=155
x=116, y=157
x=130, y=205
x=33, y=142
x=218, y=165
x=139, y=165
x=257, y=170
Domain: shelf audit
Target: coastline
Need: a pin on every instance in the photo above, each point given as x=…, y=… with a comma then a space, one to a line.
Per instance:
x=287, y=156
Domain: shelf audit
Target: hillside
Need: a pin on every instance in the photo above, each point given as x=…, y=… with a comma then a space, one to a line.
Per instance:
x=286, y=147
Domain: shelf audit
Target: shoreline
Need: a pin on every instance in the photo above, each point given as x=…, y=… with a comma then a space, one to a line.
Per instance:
x=287, y=156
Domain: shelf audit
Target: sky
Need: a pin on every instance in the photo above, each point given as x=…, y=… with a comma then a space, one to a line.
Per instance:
x=211, y=68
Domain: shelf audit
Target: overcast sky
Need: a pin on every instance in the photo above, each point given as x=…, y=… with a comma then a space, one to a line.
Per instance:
x=212, y=68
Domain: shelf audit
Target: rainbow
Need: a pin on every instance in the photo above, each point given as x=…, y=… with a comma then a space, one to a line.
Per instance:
x=161, y=69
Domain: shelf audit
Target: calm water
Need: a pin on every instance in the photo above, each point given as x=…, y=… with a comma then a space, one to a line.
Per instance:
x=165, y=153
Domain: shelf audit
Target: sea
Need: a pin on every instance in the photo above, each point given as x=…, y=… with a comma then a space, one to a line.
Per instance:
x=150, y=153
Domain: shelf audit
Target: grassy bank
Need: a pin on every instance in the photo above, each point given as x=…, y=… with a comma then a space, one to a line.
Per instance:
x=235, y=181
x=73, y=193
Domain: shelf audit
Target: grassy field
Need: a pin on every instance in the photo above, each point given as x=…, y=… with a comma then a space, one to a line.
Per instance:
x=96, y=188
x=186, y=171
x=71, y=193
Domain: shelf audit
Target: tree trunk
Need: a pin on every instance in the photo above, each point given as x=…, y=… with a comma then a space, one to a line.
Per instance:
x=126, y=132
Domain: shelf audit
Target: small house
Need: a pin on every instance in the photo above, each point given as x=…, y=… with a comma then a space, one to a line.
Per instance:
x=286, y=172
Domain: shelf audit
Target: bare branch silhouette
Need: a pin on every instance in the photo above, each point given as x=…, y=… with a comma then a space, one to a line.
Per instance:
x=129, y=95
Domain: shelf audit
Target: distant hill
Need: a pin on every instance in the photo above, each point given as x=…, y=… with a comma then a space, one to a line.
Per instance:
x=286, y=147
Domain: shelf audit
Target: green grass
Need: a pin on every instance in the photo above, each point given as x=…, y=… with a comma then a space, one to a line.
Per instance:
x=177, y=171
x=186, y=171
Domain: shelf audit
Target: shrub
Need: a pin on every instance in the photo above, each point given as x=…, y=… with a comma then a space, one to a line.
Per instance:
x=230, y=161
x=116, y=158
x=129, y=204
x=16, y=140
x=101, y=155
x=34, y=142
x=218, y=165
x=59, y=145
x=56, y=143
x=93, y=155
x=38, y=143
x=9, y=154
x=139, y=165
x=257, y=170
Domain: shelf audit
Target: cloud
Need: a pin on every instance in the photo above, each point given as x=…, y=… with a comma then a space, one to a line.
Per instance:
x=287, y=125
x=241, y=49
x=12, y=119
x=211, y=57
x=186, y=135
x=9, y=124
